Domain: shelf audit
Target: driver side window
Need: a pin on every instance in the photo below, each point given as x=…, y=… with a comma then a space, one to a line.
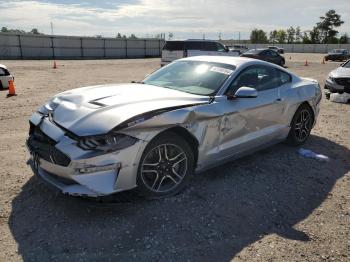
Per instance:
x=259, y=77
x=220, y=48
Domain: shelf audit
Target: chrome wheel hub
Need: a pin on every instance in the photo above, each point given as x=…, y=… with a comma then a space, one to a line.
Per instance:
x=164, y=168
x=303, y=125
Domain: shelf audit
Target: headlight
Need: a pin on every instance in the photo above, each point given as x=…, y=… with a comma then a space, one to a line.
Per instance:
x=107, y=143
x=331, y=78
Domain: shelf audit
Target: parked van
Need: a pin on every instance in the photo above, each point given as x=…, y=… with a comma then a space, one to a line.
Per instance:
x=174, y=50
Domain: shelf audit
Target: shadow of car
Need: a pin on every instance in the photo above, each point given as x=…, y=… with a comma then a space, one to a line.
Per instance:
x=226, y=209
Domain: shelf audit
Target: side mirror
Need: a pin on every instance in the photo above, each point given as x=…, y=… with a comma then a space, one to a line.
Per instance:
x=246, y=92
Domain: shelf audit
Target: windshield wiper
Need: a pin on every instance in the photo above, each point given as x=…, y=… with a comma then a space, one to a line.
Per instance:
x=138, y=82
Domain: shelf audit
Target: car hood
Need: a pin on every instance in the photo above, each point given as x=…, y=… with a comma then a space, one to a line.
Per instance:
x=98, y=109
x=341, y=72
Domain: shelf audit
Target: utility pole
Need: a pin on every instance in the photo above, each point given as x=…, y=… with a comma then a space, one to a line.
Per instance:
x=239, y=37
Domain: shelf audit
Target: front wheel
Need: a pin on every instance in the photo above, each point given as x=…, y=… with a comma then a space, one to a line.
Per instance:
x=301, y=126
x=165, y=167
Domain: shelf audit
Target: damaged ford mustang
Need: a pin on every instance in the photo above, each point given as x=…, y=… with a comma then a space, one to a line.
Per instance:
x=188, y=116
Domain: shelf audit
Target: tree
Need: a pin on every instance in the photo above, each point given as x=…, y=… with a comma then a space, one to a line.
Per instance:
x=306, y=38
x=298, y=34
x=281, y=36
x=258, y=36
x=119, y=35
x=132, y=36
x=344, y=39
x=4, y=29
x=291, y=35
x=315, y=35
x=273, y=36
x=35, y=31
x=327, y=26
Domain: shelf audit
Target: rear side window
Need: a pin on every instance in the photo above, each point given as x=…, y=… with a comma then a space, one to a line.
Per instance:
x=193, y=45
x=209, y=46
x=284, y=77
x=259, y=77
x=174, y=46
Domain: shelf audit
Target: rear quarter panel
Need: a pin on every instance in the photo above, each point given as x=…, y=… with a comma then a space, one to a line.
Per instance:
x=301, y=90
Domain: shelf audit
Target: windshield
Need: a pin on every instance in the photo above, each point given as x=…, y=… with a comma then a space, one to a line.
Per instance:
x=336, y=51
x=195, y=77
x=346, y=64
x=253, y=51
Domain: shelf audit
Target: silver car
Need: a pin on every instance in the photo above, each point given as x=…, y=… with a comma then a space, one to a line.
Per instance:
x=338, y=80
x=186, y=117
x=5, y=77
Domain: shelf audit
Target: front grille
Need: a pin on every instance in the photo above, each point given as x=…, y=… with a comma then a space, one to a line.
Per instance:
x=44, y=146
x=343, y=81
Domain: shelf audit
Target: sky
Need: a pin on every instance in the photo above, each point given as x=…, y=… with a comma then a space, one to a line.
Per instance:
x=184, y=18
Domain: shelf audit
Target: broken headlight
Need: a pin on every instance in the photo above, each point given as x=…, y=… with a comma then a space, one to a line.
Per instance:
x=108, y=143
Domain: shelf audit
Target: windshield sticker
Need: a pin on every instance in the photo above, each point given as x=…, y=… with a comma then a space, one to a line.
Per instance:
x=221, y=70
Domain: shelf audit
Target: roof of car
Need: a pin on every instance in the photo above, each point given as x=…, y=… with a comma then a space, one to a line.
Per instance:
x=3, y=66
x=231, y=60
x=193, y=40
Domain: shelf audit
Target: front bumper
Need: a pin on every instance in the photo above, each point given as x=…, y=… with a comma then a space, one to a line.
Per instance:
x=86, y=173
x=164, y=63
x=333, y=87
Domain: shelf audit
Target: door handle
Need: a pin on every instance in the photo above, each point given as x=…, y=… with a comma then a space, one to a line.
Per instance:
x=279, y=100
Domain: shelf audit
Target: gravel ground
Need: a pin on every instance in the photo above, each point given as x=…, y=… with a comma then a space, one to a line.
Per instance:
x=271, y=206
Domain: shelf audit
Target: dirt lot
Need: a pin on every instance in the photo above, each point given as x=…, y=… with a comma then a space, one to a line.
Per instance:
x=271, y=206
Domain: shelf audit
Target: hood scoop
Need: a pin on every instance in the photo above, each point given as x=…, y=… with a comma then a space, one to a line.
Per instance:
x=97, y=101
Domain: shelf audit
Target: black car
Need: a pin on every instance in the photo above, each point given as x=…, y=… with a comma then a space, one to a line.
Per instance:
x=277, y=49
x=337, y=55
x=268, y=55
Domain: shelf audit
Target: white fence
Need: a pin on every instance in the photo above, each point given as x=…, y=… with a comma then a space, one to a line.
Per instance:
x=297, y=48
x=21, y=46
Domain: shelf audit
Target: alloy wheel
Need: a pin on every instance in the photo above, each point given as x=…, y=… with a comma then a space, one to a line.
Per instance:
x=303, y=125
x=164, y=168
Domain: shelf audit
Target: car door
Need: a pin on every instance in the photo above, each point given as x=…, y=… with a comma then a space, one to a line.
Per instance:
x=273, y=57
x=249, y=123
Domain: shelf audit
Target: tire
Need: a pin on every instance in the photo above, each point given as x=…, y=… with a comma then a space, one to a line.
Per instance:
x=282, y=63
x=1, y=86
x=166, y=166
x=301, y=126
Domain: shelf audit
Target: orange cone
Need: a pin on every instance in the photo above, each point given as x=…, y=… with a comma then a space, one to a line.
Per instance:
x=54, y=65
x=290, y=57
x=306, y=63
x=12, y=90
x=323, y=61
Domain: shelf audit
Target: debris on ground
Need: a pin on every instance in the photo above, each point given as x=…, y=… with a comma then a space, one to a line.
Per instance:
x=343, y=98
x=311, y=154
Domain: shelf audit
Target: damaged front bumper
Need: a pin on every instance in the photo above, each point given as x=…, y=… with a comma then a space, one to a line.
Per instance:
x=60, y=162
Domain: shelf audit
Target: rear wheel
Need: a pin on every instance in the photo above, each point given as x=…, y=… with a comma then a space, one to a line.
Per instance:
x=301, y=126
x=165, y=167
x=1, y=87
